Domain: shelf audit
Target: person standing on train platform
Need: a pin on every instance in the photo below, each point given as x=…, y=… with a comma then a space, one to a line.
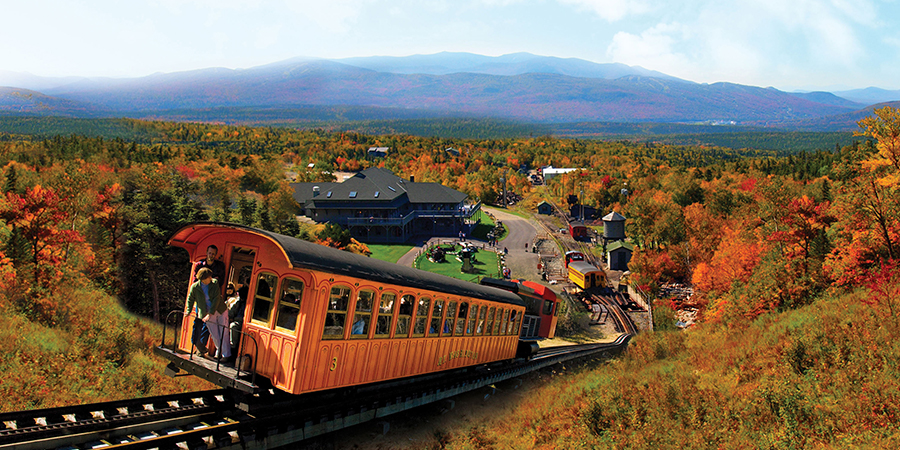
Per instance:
x=236, y=316
x=216, y=265
x=206, y=297
x=201, y=332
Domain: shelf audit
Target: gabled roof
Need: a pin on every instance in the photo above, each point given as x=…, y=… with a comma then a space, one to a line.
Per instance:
x=613, y=217
x=620, y=244
x=433, y=193
x=376, y=180
x=545, y=202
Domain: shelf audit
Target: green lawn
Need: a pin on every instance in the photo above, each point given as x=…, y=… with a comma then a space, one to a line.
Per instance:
x=485, y=226
x=387, y=252
x=485, y=266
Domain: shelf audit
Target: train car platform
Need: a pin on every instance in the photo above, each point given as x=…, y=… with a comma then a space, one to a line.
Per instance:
x=209, y=369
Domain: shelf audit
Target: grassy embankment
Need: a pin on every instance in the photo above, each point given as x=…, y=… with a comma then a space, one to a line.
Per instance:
x=100, y=353
x=822, y=376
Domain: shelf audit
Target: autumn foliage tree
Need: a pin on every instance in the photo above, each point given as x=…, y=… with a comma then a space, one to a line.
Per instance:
x=40, y=219
x=734, y=260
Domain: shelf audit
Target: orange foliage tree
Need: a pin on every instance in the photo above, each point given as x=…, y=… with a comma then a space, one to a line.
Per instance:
x=734, y=260
x=39, y=216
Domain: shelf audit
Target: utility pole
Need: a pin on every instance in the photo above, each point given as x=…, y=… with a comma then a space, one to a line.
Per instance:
x=581, y=200
x=503, y=182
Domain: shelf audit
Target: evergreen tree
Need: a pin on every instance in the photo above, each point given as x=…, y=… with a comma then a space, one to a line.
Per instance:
x=290, y=227
x=262, y=216
x=246, y=209
x=152, y=271
x=12, y=180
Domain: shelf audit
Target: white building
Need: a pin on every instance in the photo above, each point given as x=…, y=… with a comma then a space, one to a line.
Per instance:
x=550, y=172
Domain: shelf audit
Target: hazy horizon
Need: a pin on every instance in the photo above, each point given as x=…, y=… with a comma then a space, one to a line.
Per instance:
x=815, y=45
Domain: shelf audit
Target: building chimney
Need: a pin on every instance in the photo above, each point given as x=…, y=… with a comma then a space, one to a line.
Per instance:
x=412, y=178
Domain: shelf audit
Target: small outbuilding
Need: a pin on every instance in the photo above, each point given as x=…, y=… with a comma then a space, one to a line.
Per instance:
x=545, y=208
x=618, y=255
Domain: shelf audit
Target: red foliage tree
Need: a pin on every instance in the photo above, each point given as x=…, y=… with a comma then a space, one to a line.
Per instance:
x=806, y=220
x=37, y=216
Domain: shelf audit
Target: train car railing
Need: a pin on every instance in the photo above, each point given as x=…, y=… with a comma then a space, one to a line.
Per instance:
x=239, y=360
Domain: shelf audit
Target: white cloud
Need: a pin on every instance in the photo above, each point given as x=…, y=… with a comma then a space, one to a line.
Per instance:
x=335, y=16
x=610, y=10
x=654, y=48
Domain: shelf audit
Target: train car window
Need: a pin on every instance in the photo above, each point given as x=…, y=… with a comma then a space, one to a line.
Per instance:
x=362, y=314
x=481, y=313
x=435, y=329
x=503, y=324
x=289, y=305
x=421, y=316
x=385, y=315
x=511, y=326
x=404, y=311
x=461, y=320
x=488, y=327
x=450, y=320
x=472, y=318
x=548, y=307
x=263, y=301
x=518, y=328
x=336, y=316
x=497, y=319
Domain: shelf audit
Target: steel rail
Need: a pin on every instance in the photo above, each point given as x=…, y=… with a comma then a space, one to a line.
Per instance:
x=57, y=427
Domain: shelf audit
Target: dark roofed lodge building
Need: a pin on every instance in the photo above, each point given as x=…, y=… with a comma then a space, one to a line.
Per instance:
x=378, y=206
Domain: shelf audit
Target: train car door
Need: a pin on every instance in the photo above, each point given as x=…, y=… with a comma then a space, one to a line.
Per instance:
x=240, y=272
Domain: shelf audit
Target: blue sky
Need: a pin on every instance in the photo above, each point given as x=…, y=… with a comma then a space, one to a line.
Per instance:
x=788, y=44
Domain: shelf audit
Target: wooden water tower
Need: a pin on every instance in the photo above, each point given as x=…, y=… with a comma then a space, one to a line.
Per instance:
x=613, y=227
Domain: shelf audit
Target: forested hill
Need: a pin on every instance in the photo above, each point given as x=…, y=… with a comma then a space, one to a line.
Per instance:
x=737, y=138
x=84, y=222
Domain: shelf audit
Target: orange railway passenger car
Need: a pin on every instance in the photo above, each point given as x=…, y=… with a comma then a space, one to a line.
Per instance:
x=318, y=318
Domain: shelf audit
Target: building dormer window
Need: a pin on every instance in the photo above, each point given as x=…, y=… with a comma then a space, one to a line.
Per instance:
x=328, y=195
x=392, y=189
x=352, y=194
x=376, y=194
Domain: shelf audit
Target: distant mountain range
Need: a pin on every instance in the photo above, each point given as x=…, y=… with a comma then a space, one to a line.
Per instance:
x=520, y=87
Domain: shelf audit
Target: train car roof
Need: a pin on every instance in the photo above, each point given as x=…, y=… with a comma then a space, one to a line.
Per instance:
x=583, y=267
x=541, y=290
x=302, y=254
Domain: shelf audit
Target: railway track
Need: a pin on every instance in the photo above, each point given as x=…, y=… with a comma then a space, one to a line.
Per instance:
x=223, y=419
x=103, y=423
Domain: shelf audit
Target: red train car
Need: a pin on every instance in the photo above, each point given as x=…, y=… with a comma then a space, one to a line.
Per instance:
x=319, y=318
x=541, y=306
x=573, y=255
x=578, y=230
